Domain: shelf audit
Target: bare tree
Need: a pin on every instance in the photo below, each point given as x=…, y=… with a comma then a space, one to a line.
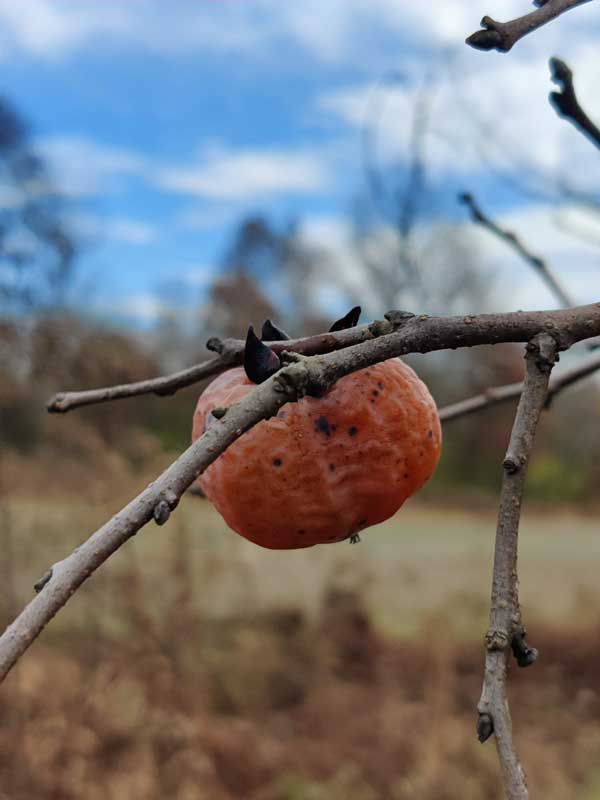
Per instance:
x=36, y=249
x=409, y=254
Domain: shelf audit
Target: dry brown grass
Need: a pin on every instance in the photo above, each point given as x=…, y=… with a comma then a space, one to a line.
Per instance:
x=198, y=666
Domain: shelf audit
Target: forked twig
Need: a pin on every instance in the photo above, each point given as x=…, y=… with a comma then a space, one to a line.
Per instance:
x=506, y=628
x=503, y=35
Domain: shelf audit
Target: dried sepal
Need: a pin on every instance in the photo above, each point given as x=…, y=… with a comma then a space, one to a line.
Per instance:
x=260, y=362
x=349, y=321
x=271, y=333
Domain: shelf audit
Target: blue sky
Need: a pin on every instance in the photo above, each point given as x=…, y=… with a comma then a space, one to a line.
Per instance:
x=165, y=122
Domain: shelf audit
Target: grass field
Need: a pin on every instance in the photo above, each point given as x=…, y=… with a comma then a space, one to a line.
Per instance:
x=196, y=665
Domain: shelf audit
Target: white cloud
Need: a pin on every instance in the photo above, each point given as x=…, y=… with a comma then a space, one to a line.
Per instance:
x=234, y=175
x=211, y=215
x=117, y=229
x=144, y=307
x=50, y=29
x=232, y=178
x=495, y=118
x=333, y=31
x=197, y=276
x=131, y=231
x=575, y=262
x=515, y=285
x=84, y=167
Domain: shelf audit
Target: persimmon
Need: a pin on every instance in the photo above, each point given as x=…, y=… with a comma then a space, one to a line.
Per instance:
x=324, y=468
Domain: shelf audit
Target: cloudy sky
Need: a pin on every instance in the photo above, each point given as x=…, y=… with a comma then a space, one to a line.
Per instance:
x=165, y=122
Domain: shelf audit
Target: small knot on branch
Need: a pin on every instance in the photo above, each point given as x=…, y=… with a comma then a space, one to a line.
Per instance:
x=162, y=510
x=300, y=377
x=485, y=727
x=511, y=465
x=45, y=579
x=57, y=404
x=496, y=640
x=544, y=349
x=524, y=654
x=219, y=412
x=215, y=345
x=492, y=37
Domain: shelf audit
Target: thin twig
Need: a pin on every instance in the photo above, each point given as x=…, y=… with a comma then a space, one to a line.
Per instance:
x=566, y=104
x=230, y=353
x=396, y=336
x=503, y=35
x=511, y=391
x=505, y=615
x=538, y=263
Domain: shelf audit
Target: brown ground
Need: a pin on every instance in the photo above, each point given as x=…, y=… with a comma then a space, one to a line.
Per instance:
x=198, y=666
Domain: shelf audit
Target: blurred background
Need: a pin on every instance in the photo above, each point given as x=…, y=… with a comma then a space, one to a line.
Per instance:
x=169, y=172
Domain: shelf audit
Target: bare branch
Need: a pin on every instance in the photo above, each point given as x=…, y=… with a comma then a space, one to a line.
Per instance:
x=398, y=335
x=566, y=104
x=163, y=385
x=511, y=391
x=230, y=354
x=538, y=263
x=502, y=36
x=505, y=615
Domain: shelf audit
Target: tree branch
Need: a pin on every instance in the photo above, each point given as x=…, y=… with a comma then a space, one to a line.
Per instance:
x=506, y=628
x=566, y=104
x=538, y=263
x=396, y=336
x=231, y=353
x=502, y=36
x=501, y=394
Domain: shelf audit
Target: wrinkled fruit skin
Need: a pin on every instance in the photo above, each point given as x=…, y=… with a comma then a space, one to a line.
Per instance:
x=323, y=468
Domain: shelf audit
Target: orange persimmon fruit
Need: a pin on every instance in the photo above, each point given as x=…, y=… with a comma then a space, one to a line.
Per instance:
x=324, y=468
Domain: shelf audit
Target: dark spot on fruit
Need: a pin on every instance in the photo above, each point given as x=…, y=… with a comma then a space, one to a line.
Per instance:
x=430, y=434
x=352, y=430
x=277, y=462
x=301, y=532
x=380, y=384
x=322, y=425
x=406, y=474
x=363, y=522
x=331, y=538
x=421, y=453
x=332, y=467
x=375, y=393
